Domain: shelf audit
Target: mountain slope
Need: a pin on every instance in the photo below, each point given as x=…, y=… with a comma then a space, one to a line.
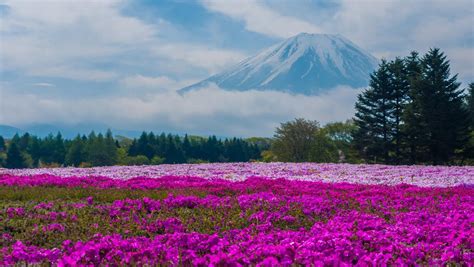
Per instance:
x=303, y=64
x=9, y=131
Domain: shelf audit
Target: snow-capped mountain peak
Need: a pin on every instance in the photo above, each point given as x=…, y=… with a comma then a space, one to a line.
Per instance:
x=303, y=64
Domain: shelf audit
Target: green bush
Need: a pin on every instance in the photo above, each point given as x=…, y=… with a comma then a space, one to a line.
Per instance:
x=156, y=160
x=197, y=161
x=138, y=160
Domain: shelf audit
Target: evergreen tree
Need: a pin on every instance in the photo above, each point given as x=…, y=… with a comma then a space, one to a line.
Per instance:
x=100, y=150
x=59, y=149
x=97, y=151
x=35, y=150
x=161, y=145
x=399, y=87
x=110, y=148
x=187, y=146
x=15, y=139
x=470, y=105
x=373, y=136
x=212, y=149
x=15, y=159
x=413, y=128
x=174, y=153
x=76, y=153
x=133, y=149
x=144, y=146
x=47, y=149
x=3, y=146
x=469, y=150
x=440, y=108
x=24, y=142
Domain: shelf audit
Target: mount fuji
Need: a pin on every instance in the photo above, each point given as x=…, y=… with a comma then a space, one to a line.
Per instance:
x=306, y=64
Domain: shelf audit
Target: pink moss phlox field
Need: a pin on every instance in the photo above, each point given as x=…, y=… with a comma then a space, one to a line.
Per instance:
x=257, y=221
x=426, y=176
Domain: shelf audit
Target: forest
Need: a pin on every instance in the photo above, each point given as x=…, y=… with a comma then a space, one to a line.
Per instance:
x=29, y=151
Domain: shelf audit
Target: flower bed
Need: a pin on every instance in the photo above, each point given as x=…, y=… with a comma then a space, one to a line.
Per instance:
x=426, y=176
x=182, y=220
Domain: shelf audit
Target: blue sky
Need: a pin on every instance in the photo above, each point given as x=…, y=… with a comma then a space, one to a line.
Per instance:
x=119, y=62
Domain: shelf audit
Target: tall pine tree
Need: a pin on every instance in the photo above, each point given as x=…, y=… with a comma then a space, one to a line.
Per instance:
x=76, y=153
x=441, y=109
x=413, y=128
x=373, y=136
x=470, y=104
x=3, y=146
x=399, y=86
x=469, y=150
x=110, y=148
x=15, y=159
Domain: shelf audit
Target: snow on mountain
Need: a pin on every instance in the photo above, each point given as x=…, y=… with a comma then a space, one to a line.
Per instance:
x=303, y=64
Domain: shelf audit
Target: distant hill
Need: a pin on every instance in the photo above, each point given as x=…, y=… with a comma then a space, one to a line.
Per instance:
x=9, y=131
x=304, y=64
x=71, y=131
x=68, y=131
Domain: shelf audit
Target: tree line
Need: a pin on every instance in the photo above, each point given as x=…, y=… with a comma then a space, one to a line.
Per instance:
x=28, y=151
x=413, y=112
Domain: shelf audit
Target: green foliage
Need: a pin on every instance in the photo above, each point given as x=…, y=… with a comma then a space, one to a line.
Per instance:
x=27, y=160
x=374, y=116
x=294, y=139
x=137, y=160
x=302, y=140
x=82, y=220
x=15, y=158
x=268, y=156
x=157, y=160
x=123, y=141
x=101, y=151
x=469, y=149
x=197, y=161
x=3, y=146
x=323, y=148
x=76, y=153
x=341, y=135
x=438, y=107
x=105, y=150
x=413, y=127
x=122, y=156
x=3, y=159
x=413, y=112
x=470, y=104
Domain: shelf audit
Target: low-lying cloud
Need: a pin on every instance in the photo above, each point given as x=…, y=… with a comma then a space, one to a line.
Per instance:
x=209, y=110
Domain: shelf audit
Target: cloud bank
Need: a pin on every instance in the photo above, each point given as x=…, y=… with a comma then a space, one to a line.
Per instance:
x=206, y=111
x=259, y=18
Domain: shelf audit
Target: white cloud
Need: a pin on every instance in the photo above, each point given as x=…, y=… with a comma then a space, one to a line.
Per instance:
x=260, y=18
x=209, y=110
x=74, y=73
x=159, y=83
x=394, y=28
x=462, y=62
x=72, y=39
x=213, y=60
x=44, y=84
x=44, y=37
